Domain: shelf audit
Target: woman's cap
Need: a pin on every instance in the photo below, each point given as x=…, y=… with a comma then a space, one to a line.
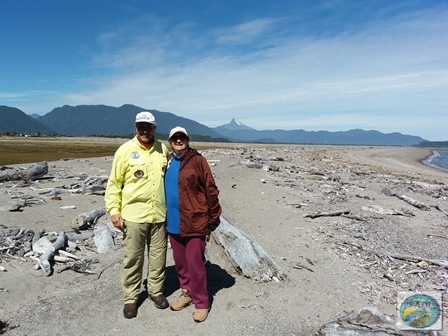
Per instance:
x=145, y=117
x=177, y=129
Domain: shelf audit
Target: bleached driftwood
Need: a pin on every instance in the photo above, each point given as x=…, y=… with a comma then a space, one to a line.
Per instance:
x=439, y=207
x=42, y=245
x=358, y=218
x=91, y=185
x=301, y=266
x=103, y=238
x=14, y=175
x=62, y=259
x=366, y=321
x=246, y=254
x=95, y=189
x=382, y=211
x=95, y=184
x=30, y=174
x=254, y=165
x=328, y=214
x=437, y=262
x=80, y=266
x=87, y=219
x=55, y=191
x=90, y=180
x=44, y=261
x=68, y=254
x=427, y=185
x=405, y=198
x=36, y=171
x=12, y=207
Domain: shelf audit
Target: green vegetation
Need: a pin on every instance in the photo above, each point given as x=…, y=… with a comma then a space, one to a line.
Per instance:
x=27, y=150
x=433, y=144
x=14, y=150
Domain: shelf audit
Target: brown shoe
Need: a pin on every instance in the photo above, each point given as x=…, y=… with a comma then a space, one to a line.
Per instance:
x=159, y=301
x=200, y=315
x=183, y=301
x=130, y=310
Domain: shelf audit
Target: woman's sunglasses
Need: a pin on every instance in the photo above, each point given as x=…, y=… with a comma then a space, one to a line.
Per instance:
x=181, y=137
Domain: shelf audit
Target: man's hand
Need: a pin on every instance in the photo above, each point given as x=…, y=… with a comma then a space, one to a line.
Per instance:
x=117, y=221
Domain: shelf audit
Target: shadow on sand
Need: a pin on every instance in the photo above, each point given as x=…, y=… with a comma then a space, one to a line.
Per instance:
x=217, y=279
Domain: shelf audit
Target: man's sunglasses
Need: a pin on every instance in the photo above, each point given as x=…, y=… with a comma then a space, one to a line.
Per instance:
x=145, y=126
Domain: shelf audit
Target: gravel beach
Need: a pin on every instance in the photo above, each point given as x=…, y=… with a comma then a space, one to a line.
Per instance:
x=320, y=212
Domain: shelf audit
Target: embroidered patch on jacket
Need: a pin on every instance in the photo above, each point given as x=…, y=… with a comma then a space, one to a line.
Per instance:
x=139, y=174
x=135, y=155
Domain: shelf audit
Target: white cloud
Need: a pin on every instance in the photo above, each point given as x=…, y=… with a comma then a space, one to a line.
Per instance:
x=245, y=32
x=390, y=76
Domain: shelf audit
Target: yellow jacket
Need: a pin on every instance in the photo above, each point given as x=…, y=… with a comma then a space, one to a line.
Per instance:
x=135, y=186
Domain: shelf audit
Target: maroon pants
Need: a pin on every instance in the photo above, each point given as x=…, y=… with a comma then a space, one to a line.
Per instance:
x=188, y=255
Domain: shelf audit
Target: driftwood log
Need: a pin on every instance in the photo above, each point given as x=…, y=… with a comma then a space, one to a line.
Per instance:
x=36, y=171
x=12, y=176
x=439, y=207
x=44, y=261
x=103, y=238
x=437, y=262
x=91, y=185
x=79, y=266
x=382, y=211
x=32, y=173
x=405, y=198
x=246, y=255
x=87, y=219
x=328, y=214
x=368, y=321
x=12, y=207
x=254, y=165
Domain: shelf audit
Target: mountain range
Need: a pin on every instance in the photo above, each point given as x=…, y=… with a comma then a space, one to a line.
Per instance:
x=102, y=120
x=14, y=120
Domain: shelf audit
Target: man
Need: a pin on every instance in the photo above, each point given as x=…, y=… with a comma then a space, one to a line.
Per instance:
x=135, y=200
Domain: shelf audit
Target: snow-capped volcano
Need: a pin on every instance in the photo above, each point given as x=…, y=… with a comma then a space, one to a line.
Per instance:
x=235, y=125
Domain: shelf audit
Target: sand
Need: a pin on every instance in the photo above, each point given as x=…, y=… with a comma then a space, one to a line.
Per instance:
x=271, y=205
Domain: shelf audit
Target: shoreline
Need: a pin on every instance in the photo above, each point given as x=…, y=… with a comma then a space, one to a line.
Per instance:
x=433, y=151
x=406, y=159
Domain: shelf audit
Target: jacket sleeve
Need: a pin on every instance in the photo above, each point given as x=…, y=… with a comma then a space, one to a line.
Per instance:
x=115, y=184
x=211, y=194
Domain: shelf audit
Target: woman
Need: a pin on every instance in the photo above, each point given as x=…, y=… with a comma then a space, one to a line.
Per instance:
x=193, y=209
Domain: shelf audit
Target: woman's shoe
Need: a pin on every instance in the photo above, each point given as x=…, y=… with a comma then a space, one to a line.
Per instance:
x=200, y=315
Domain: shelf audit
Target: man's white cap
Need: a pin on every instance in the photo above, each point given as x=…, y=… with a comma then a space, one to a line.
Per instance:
x=145, y=117
x=177, y=129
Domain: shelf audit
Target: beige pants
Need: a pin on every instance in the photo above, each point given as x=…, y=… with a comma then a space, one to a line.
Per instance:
x=137, y=236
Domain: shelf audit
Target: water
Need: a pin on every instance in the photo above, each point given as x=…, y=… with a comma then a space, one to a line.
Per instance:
x=438, y=159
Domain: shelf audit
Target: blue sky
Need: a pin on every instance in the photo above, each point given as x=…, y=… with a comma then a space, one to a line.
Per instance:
x=328, y=65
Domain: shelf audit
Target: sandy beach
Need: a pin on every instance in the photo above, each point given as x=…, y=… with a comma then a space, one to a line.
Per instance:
x=350, y=261
x=402, y=158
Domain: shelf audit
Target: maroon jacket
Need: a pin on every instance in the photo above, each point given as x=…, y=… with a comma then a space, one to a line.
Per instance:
x=198, y=195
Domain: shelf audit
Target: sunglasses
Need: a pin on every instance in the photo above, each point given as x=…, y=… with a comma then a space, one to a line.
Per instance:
x=181, y=137
x=145, y=126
